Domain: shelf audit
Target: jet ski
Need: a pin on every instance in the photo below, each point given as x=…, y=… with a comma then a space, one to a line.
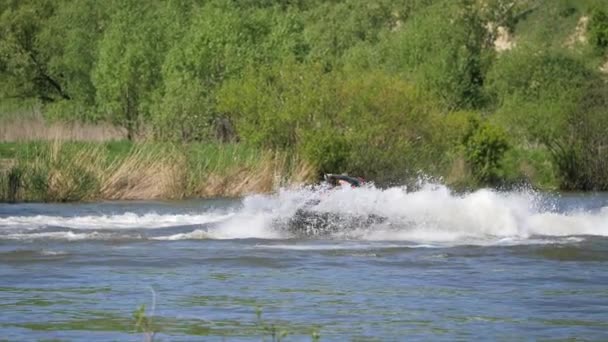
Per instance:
x=312, y=221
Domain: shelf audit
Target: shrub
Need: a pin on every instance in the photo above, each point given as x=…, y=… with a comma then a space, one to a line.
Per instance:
x=485, y=147
x=328, y=150
x=442, y=49
x=598, y=30
x=581, y=153
x=535, y=91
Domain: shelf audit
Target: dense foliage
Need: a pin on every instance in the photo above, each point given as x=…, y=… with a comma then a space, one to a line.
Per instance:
x=385, y=89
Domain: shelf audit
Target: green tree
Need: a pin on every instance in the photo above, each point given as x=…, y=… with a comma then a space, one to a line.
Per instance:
x=220, y=43
x=485, y=146
x=69, y=40
x=581, y=151
x=337, y=26
x=24, y=62
x=555, y=100
x=206, y=54
x=273, y=106
x=535, y=91
x=128, y=70
x=443, y=49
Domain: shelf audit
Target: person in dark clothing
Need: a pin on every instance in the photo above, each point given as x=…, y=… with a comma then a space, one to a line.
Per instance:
x=335, y=180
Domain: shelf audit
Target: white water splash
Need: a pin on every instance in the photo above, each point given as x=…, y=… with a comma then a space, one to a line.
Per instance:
x=430, y=216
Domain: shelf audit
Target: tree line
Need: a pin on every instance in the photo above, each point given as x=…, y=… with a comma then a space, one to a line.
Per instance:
x=385, y=89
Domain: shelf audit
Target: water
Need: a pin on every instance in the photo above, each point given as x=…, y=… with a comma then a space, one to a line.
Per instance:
x=439, y=266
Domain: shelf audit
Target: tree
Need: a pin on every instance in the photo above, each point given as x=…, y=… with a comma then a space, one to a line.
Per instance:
x=581, y=152
x=335, y=27
x=23, y=60
x=555, y=100
x=70, y=43
x=536, y=90
x=485, y=146
x=219, y=44
x=443, y=49
x=275, y=106
x=128, y=70
x=208, y=52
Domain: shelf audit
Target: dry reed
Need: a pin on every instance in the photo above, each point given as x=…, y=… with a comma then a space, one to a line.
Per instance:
x=268, y=173
x=35, y=128
x=59, y=171
x=458, y=172
x=144, y=175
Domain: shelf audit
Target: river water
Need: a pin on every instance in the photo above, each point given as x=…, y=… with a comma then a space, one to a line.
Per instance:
x=485, y=265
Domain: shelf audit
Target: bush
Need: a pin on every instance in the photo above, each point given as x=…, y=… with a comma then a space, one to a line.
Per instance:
x=581, y=153
x=442, y=49
x=274, y=107
x=485, y=147
x=533, y=75
x=13, y=184
x=535, y=91
x=529, y=166
x=327, y=149
x=598, y=30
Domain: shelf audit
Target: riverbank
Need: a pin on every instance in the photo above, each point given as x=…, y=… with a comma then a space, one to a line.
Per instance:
x=82, y=171
x=68, y=171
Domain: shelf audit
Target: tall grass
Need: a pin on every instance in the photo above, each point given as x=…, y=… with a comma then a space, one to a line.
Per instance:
x=234, y=170
x=60, y=171
x=31, y=126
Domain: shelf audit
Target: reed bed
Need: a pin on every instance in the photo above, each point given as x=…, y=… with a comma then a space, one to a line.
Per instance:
x=60, y=171
x=33, y=127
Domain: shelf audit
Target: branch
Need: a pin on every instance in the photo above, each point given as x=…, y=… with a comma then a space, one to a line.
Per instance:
x=48, y=78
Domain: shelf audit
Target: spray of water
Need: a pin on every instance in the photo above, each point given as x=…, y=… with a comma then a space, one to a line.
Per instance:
x=432, y=214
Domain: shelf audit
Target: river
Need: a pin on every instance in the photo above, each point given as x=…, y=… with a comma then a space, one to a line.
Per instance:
x=485, y=265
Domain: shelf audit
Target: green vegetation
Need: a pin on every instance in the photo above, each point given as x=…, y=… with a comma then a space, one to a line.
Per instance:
x=59, y=172
x=598, y=29
x=485, y=146
x=477, y=92
x=144, y=324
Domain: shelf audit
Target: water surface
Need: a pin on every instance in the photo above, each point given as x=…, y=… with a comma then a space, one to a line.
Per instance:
x=441, y=266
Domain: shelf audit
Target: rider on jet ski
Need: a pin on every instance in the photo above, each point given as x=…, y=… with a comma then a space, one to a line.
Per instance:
x=310, y=220
x=335, y=180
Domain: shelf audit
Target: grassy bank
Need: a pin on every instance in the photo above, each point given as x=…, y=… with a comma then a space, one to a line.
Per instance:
x=77, y=171
x=56, y=171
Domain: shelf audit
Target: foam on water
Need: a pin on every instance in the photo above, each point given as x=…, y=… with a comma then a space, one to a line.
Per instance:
x=121, y=221
x=430, y=216
x=68, y=235
x=197, y=234
x=339, y=246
